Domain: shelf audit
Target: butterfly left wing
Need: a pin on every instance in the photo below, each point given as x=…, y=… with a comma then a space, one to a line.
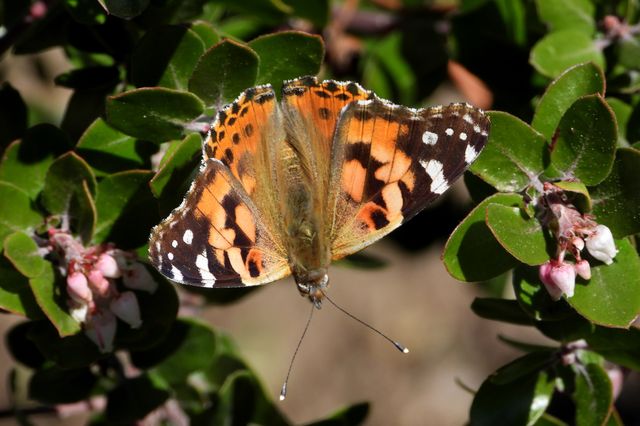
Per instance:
x=388, y=162
x=217, y=238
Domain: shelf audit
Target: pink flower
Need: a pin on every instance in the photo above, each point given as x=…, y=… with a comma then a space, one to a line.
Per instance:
x=137, y=277
x=583, y=269
x=600, y=245
x=99, y=283
x=558, y=278
x=108, y=266
x=101, y=329
x=126, y=307
x=78, y=288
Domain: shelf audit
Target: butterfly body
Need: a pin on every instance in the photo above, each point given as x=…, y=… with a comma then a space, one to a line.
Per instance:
x=287, y=187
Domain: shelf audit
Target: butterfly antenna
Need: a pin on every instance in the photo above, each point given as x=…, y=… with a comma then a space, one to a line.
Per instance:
x=283, y=391
x=398, y=346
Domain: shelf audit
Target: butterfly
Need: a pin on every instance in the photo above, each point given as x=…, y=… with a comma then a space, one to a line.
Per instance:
x=286, y=187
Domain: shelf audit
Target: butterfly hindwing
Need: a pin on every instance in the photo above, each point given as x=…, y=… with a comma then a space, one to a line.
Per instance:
x=388, y=162
x=217, y=238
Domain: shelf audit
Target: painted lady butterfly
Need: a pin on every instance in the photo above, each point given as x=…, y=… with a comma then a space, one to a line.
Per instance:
x=287, y=187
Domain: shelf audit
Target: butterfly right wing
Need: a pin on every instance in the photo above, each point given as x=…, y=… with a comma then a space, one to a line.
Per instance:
x=217, y=237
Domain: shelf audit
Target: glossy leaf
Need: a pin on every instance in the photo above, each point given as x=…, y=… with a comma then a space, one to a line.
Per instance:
x=180, y=353
x=560, y=50
x=612, y=296
x=586, y=142
x=48, y=290
x=25, y=163
x=125, y=9
x=520, y=402
x=287, y=55
x=500, y=310
x=567, y=14
x=64, y=182
x=522, y=236
x=22, y=252
x=20, y=346
x=593, y=395
x=126, y=209
x=155, y=114
x=17, y=211
x=577, y=194
x=616, y=345
x=166, y=56
x=628, y=50
x=472, y=253
x=108, y=150
x=315, y=11
x=577, y=81
x=133, y=399
x=622, y=111
x=223, y=72
x=13, y=115
x=206, y=32
x=616, y=200
x=514, y=156
x=74, y=351
x=53, y=385
x=15, y=294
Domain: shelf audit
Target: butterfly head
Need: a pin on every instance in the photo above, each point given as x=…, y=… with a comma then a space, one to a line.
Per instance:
x=312, y=284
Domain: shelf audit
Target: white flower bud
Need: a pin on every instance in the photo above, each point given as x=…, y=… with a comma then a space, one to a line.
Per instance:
x=125, y=307
x=563, y=276
x=101, y=329
x=600, y=245
x=137, y=277
x=108, y=266
x=78, y=311
x=583, y=269
x=545, y=276
x=78, y=288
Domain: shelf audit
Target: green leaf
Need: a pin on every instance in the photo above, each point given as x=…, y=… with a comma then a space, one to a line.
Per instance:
x=616, y=345
x=22, y=252
x=133, y=399
x=616, y=200
x=176, y=172
x=108, y=150
x=125, y=9
x=497, y=309
x=534, y=298
x=530, y=363
x=17, y=212
x=586, y=143
x=13, y=115
x=53, y=385
x=75, y=351
x=25, y=163
x=471, y=253
x=166, y=56
x=64, y=182
x=155, y=114
x=206, y=32
x=223, y=72
x=593, y=395
x=242, y=401
x=577, y=194
x=515, y=402
x=355, y=414
x=87, y=12
x=622, y=111
x=84, y=214
x=20, y=346
x=612, y=296
x=15, y=294
x=562, y=49
x=187, y=348
x=628, y=51
x=89, y=78
x=577, y=81
x=48, y=290
x=514, y=156
x=568, y=14
x=522, y=236
x=126, y=209
x=286, y=55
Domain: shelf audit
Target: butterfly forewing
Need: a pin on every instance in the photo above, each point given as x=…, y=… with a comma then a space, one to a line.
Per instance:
x=389, y=162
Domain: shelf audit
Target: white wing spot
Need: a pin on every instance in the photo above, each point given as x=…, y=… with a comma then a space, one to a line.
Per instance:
x=177, y=275
x=170, y=256
x=484, y=133
x=187, y=237
x=468, y=118
x=435, y=171
x=476, y=128
x=429, y=138
x=470, y=154
x=449, y=131
x=174, y=244
x=203, y=265
x=158, y=246
x=463, y=136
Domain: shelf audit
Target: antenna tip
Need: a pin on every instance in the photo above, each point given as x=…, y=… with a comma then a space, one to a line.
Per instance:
x=283, y=392
x=401, y=348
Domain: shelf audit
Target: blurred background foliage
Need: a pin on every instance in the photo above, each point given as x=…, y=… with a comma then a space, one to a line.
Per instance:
x=116, y=151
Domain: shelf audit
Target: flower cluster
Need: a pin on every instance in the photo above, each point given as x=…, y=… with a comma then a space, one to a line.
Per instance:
x=573, y=232
x=92, y=275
